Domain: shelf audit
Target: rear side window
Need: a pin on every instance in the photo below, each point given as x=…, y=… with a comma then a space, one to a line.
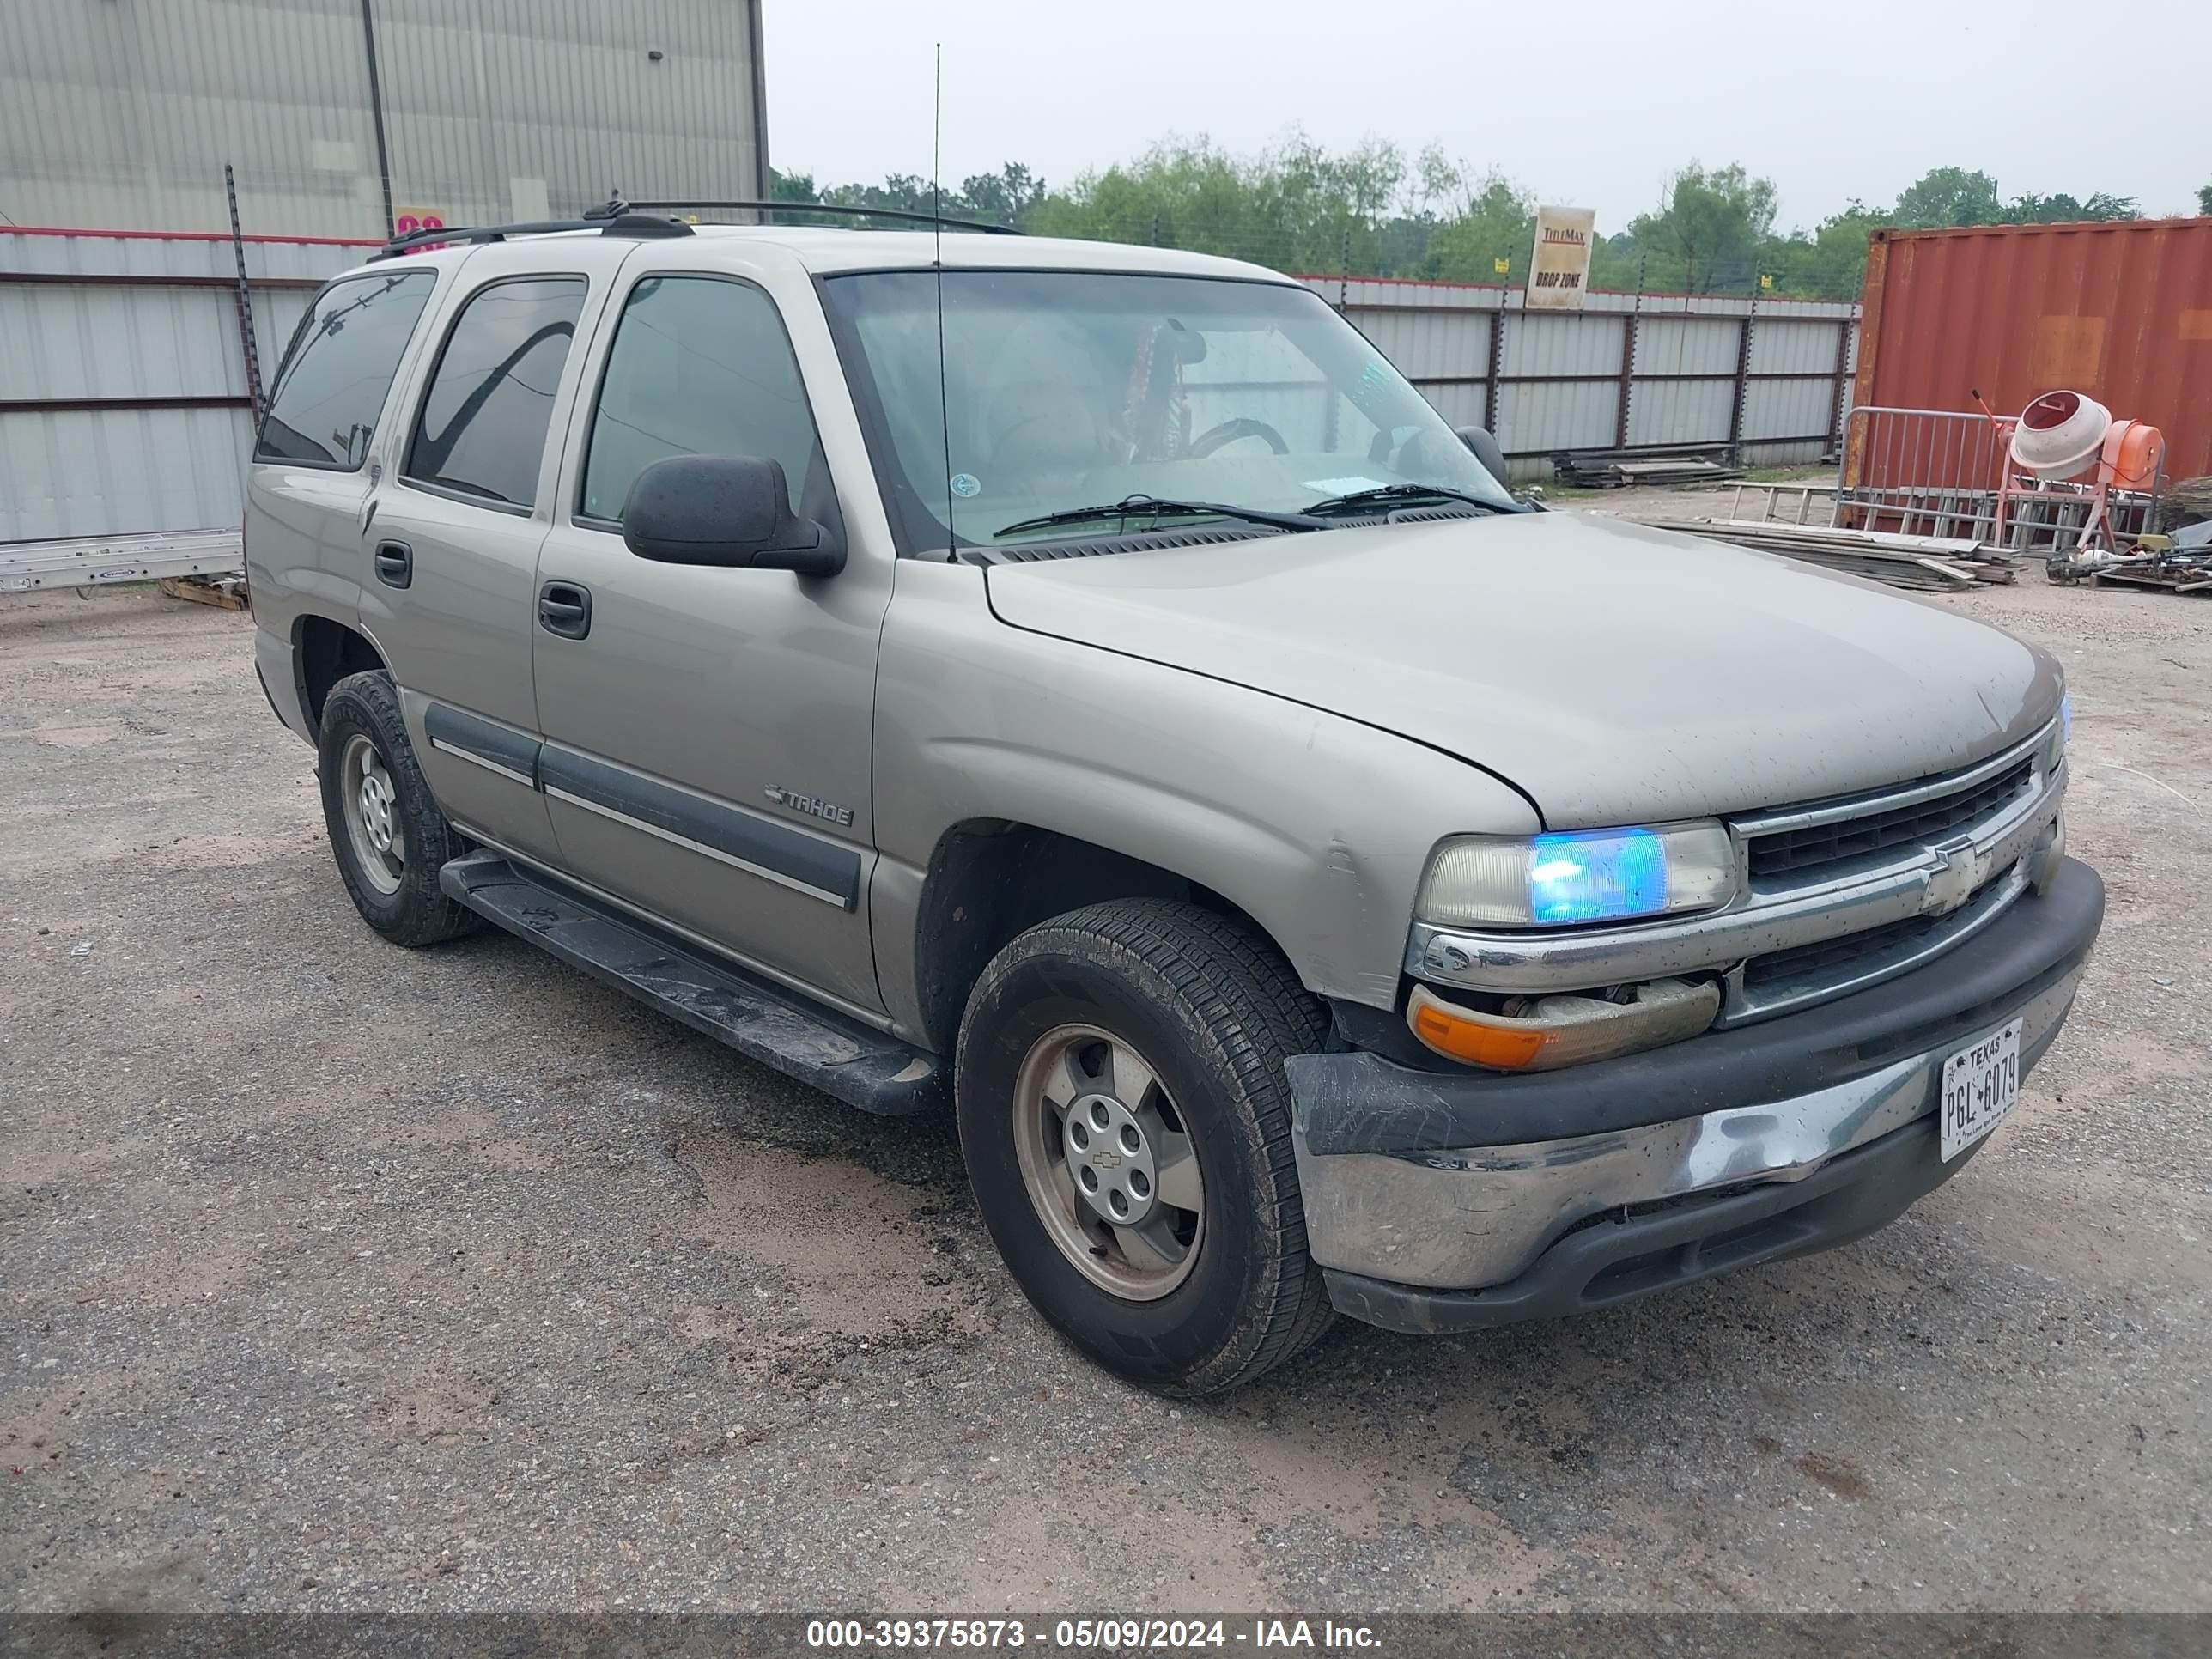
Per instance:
x=482, y=432
x=700, y=366
x=332, y=385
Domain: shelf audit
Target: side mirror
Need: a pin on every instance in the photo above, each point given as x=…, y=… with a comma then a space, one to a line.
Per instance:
x=727, y=510
x=1484, y=448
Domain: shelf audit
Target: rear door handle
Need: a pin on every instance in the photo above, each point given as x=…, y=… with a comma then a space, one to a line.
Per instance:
x=565, y=608
x=395, y=564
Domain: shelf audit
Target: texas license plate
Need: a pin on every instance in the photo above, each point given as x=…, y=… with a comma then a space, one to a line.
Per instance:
x=1980, y=1083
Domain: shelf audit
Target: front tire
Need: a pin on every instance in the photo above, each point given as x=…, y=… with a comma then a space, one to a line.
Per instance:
x=387, y=832
x=1126, y=1127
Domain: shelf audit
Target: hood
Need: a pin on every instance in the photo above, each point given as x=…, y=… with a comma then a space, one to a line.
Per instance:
x=1613, y=673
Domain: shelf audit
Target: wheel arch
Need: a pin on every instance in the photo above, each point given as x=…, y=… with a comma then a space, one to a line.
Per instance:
x=324, y=652
x=990, y=879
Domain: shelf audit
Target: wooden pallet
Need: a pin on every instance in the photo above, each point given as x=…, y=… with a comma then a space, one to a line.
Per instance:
x=224, y=592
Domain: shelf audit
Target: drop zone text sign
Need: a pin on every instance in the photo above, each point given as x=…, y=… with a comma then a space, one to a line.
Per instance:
x=1559, y=272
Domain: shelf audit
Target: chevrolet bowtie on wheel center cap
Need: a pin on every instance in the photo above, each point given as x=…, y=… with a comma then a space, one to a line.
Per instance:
x=1107, y=1162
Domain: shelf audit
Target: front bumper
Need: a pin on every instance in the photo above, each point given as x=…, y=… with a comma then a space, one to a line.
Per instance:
x=1448, y=1199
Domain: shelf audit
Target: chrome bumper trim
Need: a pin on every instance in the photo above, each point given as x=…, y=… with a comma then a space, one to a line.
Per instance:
x=1929, y=880
x=1471, y=1218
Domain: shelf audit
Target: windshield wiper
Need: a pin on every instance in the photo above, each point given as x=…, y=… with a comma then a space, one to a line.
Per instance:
x=1386, y=494
x=1151, y=507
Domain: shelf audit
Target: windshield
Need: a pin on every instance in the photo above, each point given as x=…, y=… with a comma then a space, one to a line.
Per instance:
x=1070, y=389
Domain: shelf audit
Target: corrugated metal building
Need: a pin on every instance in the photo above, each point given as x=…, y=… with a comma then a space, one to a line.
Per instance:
x=344, y=116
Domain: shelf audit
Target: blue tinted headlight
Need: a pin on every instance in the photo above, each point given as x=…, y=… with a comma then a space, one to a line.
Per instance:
x=1566, y=877
x=1597, y=877
x=2066, y=722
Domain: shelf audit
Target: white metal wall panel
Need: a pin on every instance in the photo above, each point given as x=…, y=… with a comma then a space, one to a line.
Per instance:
x=111, y=472
x=1259, y=377
x=1793, y=348
x=119, y=343
x=1460, y=405
x=500, y=109
x=1548, y=343
x=1546, y=418
x=1850, y=377
x=1786, y=408
x=1801, y=454
x=122, y=112
x=1443, y=343
x=1680, y=411
x=122, y=115
x=1686, y=345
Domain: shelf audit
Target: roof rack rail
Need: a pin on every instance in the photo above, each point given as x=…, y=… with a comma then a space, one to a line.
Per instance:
x=906, y=215
x=615, y=219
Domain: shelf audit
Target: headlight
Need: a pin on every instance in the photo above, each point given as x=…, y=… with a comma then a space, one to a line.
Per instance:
x=1578, y=876
x=2065, y=722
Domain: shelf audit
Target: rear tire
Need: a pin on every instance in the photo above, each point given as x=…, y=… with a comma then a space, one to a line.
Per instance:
x=1123, y=1064
x=387, y=832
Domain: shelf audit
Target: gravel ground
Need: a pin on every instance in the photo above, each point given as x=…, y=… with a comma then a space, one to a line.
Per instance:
x=334, y=1276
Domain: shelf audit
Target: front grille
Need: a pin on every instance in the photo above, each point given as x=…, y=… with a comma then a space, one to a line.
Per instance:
x=1784, y=978
x=1805, y=960
x=1793, y=851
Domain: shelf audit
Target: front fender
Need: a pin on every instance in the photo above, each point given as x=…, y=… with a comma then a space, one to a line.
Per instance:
x=1316, y=826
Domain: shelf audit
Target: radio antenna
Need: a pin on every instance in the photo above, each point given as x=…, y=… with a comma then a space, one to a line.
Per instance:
x=937, y=212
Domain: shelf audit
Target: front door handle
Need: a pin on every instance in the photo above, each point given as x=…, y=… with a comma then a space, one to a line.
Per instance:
x=565, y=608
x=395, y=564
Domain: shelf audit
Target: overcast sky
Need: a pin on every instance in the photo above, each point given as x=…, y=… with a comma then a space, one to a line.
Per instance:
x=1590, y=104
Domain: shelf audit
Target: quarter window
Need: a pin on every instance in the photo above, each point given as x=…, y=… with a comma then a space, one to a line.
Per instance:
x=482, y=432
x=700, y=366
x=324, y=410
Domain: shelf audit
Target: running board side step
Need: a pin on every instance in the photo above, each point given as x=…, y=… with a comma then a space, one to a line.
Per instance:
x=860, y=1065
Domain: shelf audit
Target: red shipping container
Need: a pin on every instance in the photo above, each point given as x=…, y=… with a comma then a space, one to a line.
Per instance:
x=2121, y=312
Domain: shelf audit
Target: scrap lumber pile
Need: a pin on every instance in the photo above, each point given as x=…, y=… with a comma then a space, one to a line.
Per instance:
x=1657, y=464
x=1945, y=563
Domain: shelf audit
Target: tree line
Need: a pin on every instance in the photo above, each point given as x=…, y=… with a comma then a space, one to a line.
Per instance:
x=1374, y=210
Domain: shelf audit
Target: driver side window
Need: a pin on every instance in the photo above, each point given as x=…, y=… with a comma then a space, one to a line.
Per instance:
x=699, y=366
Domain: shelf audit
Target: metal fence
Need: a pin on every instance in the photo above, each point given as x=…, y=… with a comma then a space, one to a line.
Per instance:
x=1769, y=379
x=125, y=405
x=1944, y=472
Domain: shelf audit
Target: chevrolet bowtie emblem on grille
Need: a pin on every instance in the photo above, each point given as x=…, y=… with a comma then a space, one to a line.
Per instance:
x=812, y=806
x=1954, y=883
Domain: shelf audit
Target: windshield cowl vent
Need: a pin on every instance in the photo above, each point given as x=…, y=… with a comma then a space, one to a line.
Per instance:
x=1091, y=546
x=1426, y=514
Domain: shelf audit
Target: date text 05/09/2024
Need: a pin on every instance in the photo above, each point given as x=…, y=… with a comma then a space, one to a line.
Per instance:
x=1113, y=1635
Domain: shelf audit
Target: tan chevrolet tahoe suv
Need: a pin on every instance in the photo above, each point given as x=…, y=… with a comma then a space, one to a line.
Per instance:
x=1090, y=684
